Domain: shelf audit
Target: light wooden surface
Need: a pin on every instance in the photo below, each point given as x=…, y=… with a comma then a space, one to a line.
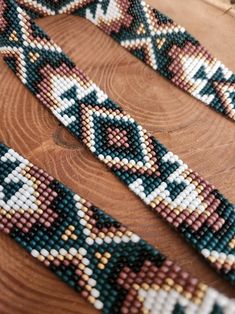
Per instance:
x=226, y=6
x=201, y=137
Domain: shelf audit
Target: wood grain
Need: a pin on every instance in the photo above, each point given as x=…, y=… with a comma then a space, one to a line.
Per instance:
x=201, y=137
x=227, y=6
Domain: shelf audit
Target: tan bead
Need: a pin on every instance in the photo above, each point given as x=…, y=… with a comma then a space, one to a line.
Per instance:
x=68, y=256
x=178, y=288
x=88, y=287
x=202, y=287
x=91, y=299
x=153, y=204
x=98, y=255
x=155, y=287
x=68, y=232
x=51, y=258
x=86, y=217
x=197, y=301
x=79, y=256
x=136, y=286
x=101, y=266
x=169, y=281
x=41, y=258
x=145, y=286
x=2, y=211
x=39, y=211
x=81, y=266
x=60, y=258
x=166, y=287
x=199, y=294
x=187, y=295
x=74, y=237
x=8, y=216
x=141, y=299
x=107, y=254
x=177, y=211
x=89, y=226
x=93, y=236
x=104, y=260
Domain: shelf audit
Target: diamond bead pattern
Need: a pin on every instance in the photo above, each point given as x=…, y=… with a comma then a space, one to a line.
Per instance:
x=163, y=181
x=109, y=265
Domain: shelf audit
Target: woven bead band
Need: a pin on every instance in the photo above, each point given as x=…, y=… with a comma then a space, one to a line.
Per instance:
x=113, y=268
x=166, y=184
x=159, y=42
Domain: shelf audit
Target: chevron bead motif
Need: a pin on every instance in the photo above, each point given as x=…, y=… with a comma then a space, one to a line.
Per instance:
x=157, y=41
x=164, y=182
x=110, y=266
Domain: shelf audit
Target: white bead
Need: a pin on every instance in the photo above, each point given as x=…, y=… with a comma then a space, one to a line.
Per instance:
x=44, y=252
x=107, y=239
x=88, y=271
x=83, y=222
x=82, y=251
x=135, y=238
x=86, y=231
x=215, y=254
x=85, y=261
x=125, y=239
x=89, y=241
x=63, y=252
x=72, y=251
x=76, y=198
x=35, y=253
x=206, y=253
x=95, y=293
x=99, y=241
x=54, y=252
x=98, y=305
x=91, y=282
x=231, y=258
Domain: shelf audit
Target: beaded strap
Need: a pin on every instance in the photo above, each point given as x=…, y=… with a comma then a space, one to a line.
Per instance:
x=113, y=268
x=178, y=194
x=159, y=42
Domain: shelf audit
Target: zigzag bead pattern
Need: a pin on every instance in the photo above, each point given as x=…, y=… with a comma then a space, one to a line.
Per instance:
x=110, y=266
x=159, y=42
x=164, y=182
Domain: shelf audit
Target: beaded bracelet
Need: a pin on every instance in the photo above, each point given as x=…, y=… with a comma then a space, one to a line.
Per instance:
x=178, y=194
x=159, y=42
x=113, y=268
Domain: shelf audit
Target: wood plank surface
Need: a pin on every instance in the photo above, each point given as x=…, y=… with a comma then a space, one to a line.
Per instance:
x=227, y=6
x=201, y=137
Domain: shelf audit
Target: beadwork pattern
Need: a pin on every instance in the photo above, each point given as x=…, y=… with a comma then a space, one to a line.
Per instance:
x=159, y=42
x=113, y=268
x=164, y=182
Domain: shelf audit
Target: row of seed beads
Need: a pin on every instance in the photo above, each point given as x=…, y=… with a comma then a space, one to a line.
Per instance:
x=220, y=104
x=178, y=74
x=199, y=215
x=173, y=69
x=166, y=277
x=196, y=219
x=177, y=218
x=31, y=203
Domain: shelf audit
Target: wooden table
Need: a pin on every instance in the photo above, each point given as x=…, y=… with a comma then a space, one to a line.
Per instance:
x=201, y=137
